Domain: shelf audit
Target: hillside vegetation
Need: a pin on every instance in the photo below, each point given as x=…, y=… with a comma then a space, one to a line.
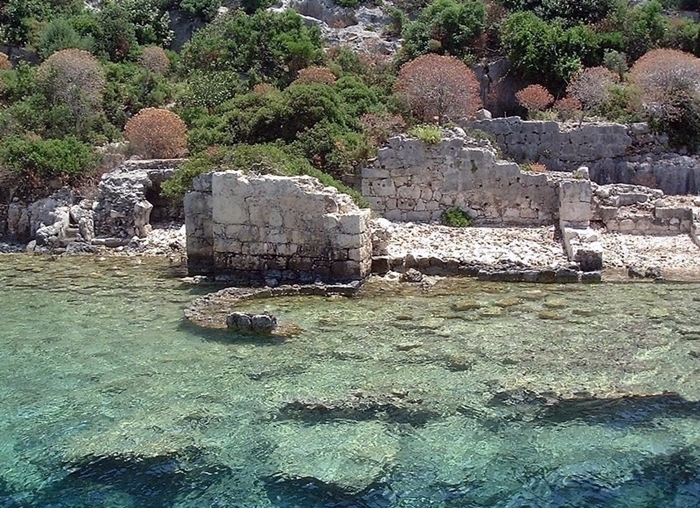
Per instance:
x=75, y=77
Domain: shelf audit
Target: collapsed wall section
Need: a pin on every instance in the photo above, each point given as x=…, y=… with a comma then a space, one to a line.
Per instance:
x=414, y=181
x=262, y=228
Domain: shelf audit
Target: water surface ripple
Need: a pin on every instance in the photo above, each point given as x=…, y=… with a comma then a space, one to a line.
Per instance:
x=467, y=394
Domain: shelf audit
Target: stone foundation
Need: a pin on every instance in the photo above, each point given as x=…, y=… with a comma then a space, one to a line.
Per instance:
x=268, y=229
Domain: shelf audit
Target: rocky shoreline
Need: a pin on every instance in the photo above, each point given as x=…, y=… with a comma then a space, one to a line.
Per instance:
x=509, y=254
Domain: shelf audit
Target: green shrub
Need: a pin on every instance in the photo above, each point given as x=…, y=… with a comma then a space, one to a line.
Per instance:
x=445, y=26
x=261, y=159
x=267, y=47
x=205, y=10
x=131, y=88
x=456, y=218
x=47, y=158
x=60, y=34
x=428, y=134
x=572, y=12
x=348, y=3
x=546, y=52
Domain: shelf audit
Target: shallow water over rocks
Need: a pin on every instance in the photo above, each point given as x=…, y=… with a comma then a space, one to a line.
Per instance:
x=463, y=394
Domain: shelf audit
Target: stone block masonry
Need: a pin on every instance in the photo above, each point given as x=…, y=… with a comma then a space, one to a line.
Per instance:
x=614, y=153
x=414, y=181
x=252, y=229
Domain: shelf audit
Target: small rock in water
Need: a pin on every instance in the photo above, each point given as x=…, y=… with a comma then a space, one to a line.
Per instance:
x=463, y=305
x=509, y=301
x=555, y=303
x=548, y=314
x=256, y=323
x=411, y=275
x=491, y=312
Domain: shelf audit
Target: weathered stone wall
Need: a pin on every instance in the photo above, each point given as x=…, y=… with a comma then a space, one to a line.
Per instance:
x=614, y=153
x=634, y=209
x=413, y=181
x=275, y=229
x=122, y=208
x=200, y=227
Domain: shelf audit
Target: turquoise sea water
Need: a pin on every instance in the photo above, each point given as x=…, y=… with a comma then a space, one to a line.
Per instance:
x=500, y=395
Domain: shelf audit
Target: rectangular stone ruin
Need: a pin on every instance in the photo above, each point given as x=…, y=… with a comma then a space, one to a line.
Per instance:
x=252, y=229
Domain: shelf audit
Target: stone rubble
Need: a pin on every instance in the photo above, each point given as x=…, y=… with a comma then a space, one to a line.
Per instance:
x=535, y=247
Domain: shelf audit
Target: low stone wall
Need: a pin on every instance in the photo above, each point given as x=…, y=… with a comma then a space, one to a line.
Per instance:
x=634, y=209
x=414, y=181
x=252, y=229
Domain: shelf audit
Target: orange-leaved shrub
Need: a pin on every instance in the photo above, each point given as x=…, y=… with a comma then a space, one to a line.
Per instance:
x=75, y=78
x=5, y=63
x=378, y=127
x=534, y=98
x=263, y=88
x=670, y=84
x=536, y=167
x=154, y=59
x=156, y=133
x=591, y=86
x=568, y=108
x=666, y=71
x=315, y=74
x=436, y=87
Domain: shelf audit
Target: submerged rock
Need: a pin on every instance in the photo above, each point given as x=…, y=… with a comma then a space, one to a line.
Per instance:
x=348, y=456
x=359, y=407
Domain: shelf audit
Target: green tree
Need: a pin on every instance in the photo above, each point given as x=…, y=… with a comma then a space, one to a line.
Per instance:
x=570, y=12
x=205, y=10
x=453, y=24
x=547, y=52
x=266, y=46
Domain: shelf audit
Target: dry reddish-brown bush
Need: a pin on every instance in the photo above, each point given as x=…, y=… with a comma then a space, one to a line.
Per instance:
x=263, y=88
x=156, y=133
x=315, y=75
x=668, y=79
x=592, y=86
x=534, y=98
x=378, y=127
x=536, y=167
x=437, y=86
x=75, y=78
x=568, y=108
x=155, y=59
x=5, y=63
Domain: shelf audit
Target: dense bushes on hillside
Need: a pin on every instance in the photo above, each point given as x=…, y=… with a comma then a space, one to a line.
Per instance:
x=255, y=77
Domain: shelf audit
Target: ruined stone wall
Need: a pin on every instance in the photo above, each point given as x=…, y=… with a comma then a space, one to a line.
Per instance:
x=275, y=229
x=122, y=208
x=614, y=153
x=413, y=181
x=635, y=209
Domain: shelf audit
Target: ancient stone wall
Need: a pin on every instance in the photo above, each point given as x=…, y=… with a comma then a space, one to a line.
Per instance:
x=275, y=229
x=614, y=153
x=122, y=208
x=634, y=209
x=414, y=181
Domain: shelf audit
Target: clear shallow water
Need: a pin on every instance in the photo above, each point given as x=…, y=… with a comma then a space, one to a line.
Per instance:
x=507, y=396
